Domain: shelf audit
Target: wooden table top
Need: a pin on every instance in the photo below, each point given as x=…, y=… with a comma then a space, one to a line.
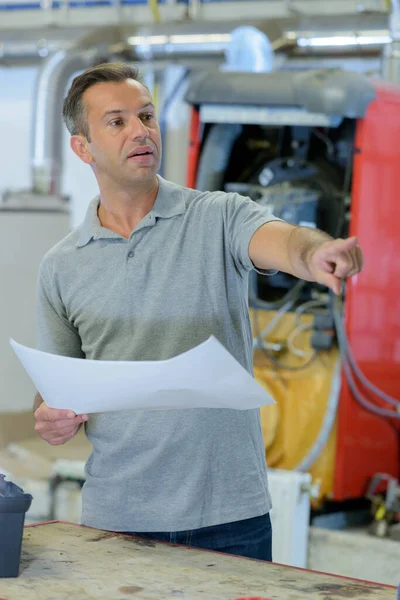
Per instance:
x=62, y=561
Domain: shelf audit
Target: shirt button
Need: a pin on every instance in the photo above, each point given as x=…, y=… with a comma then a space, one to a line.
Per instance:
x=131, y=254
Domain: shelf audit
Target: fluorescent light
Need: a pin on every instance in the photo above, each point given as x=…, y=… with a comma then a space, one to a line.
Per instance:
x=151, y=40
x=160, y=40
x=201, y=38
x=343, y=40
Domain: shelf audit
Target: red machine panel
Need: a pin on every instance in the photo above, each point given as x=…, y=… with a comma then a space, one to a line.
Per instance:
x=367, y=443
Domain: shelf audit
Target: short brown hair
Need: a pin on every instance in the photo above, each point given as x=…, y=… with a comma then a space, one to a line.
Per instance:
x=74, y=110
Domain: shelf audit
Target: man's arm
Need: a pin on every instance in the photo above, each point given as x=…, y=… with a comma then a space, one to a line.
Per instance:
x=55, y=335
x=306, y=253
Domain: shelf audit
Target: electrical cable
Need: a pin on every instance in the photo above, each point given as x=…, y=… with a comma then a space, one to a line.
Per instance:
x=348, y=364
x=366, y=382
x=284, y=309
x=301, y=327
x=306, y=305
x=333, y=401
x=291, y=337
x=330, y=147
x=271, y=358
x=327, y=424
x=362, y=400
x=349, y=354
x=254, y=302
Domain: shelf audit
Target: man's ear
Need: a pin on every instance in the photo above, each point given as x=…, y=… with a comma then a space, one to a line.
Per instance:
x=80, y=146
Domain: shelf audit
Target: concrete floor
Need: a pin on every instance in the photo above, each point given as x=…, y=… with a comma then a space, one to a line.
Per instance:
x=355, y=553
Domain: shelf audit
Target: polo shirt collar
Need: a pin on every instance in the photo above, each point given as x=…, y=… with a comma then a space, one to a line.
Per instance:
x=169, y=203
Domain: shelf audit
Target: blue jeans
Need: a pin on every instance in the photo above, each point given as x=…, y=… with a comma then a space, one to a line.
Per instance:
x=251, y=538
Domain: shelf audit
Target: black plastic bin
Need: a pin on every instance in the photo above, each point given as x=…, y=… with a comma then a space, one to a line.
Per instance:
x=13, y=505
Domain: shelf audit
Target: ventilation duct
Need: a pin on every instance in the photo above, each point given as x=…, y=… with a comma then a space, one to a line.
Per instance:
x=328, y=35
x=185, y=42
x=47, y=124
x=324, y=35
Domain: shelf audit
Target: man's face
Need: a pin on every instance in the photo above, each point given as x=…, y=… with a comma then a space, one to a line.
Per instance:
x=125, y=141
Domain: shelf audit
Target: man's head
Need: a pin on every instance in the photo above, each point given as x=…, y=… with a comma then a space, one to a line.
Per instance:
x=110, y=116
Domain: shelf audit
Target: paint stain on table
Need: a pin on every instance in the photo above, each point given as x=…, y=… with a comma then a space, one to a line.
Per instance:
x=130, y=589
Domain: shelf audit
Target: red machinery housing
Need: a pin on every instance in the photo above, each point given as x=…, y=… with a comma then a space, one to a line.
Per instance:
x=366, y=442
x=369, y=444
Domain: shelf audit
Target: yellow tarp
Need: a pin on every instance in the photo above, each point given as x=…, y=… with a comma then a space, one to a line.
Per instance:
x=291, y=427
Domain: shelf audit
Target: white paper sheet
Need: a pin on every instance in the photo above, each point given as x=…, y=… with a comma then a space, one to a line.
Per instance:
x=205, y=377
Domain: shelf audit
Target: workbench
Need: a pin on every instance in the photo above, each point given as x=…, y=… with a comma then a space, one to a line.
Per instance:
x=61, y=561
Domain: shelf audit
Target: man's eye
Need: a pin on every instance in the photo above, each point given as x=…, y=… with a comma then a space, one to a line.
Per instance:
x=116, y=122
x=147, y=117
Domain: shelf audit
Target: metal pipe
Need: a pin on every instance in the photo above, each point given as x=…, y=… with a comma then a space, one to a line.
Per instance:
x=47, y=124
x=324, y=35
x=329, y=35
x=355, y=33
x=37, y=43
x=176, y=41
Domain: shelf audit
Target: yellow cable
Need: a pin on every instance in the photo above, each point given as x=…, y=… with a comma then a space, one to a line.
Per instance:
x=155, y=11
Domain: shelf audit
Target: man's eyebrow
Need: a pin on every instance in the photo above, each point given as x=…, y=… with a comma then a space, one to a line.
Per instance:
x=119, y=111
x=113, y=111
x=148, y=105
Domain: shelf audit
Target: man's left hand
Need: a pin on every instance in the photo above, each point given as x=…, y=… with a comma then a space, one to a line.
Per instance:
x=334, y=261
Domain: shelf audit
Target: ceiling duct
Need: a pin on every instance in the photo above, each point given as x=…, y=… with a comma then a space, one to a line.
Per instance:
x=47, y=124
x=173, y=42
x=33, y=44
x=328, y=35
x=301, y=35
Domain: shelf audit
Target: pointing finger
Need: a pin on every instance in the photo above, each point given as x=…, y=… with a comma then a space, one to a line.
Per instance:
x=331, y=281
x=348, y=244
x=341, y=246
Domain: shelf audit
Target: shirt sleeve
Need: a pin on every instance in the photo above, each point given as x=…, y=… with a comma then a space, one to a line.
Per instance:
x=54, y=333
x=243, y=217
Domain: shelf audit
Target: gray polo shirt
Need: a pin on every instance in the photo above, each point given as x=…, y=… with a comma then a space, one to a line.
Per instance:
x=180, y=277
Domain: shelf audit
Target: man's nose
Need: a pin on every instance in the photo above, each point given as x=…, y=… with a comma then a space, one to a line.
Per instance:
x=138, y=129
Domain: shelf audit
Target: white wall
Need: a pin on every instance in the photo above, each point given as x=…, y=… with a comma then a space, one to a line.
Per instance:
x=17, y=86
x=15, y=120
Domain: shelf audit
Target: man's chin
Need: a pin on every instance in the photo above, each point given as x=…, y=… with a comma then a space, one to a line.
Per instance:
x=143, y=175
x=146, y=171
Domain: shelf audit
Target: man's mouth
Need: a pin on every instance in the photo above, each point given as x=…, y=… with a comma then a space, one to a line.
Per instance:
x=141, y=151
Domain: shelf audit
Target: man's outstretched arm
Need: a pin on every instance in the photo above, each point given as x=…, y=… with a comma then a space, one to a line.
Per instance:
x=306, y=253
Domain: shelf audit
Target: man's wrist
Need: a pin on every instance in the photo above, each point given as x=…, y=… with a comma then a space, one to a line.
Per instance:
x=303, y=243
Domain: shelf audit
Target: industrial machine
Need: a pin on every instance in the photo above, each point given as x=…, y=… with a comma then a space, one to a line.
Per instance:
x=317, y=148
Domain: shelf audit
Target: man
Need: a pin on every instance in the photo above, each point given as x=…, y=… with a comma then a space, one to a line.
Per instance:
x=154, y=270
